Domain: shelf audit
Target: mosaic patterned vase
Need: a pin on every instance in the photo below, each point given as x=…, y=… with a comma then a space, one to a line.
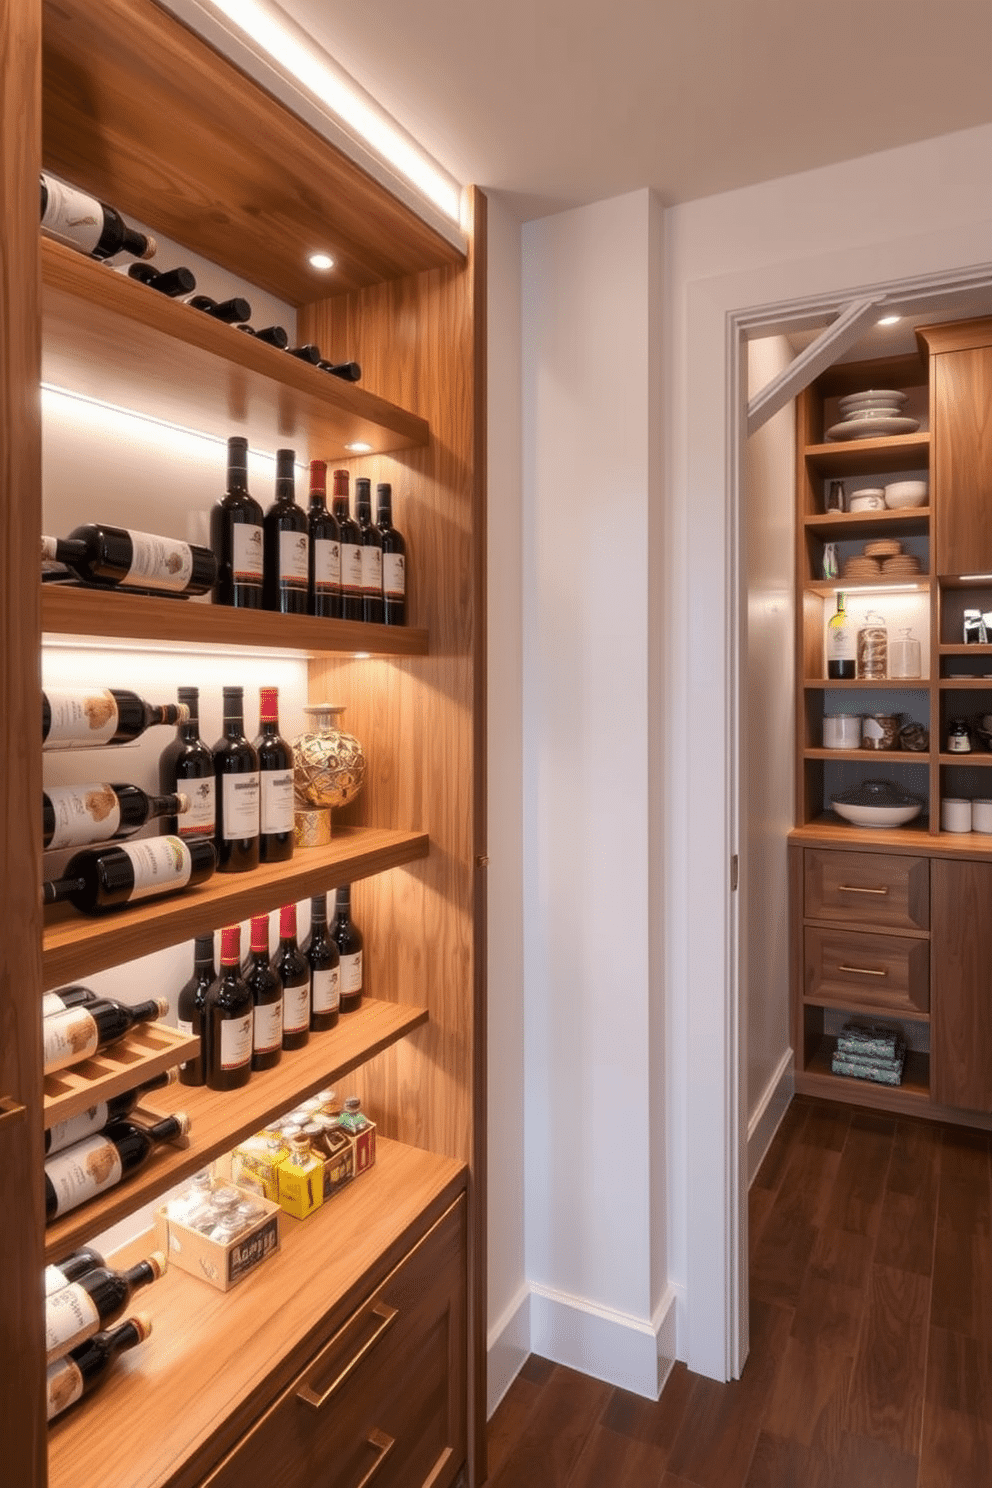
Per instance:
x=330, y=771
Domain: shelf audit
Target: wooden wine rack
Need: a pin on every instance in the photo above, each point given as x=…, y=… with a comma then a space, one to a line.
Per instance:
x=143, y=1053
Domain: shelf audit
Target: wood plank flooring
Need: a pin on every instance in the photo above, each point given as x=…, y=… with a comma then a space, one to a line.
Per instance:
x=871, y=1334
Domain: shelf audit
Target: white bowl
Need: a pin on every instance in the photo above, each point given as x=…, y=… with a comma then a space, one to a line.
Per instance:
x=876, y=816
x=867, y=500
x=874, y=398
x=906, y=493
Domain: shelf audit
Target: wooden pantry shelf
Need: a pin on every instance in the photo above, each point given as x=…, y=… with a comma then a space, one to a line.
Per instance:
x=870, y=756
x=910, y=1097
x=869, y=456
x=145, y=1052
x=867, y=684
x=194, y=1384
x=829, y=588
x=75, y=945
x=109, y=338
x=841, y=526
x=94, y=613
x=220, y=1119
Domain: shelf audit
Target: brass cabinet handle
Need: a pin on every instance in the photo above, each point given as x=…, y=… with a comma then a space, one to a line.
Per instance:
x=863, y=971
x=853, y=889
x=384, y=1445
x=10, y=1110
x=387, y=1317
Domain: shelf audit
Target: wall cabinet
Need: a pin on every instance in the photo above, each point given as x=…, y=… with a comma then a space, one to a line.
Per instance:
x=961, y=1052
x=408, y=304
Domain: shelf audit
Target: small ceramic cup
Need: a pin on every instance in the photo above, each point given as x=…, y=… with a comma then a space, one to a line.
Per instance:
x=981, y=816
x=955, y=815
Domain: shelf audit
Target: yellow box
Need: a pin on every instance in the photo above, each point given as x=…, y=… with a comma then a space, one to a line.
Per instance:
x=301, y=1185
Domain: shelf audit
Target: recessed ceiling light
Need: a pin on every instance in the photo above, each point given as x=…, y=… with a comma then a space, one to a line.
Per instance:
x=889, y=319
x=358, y=448
x=321, y=261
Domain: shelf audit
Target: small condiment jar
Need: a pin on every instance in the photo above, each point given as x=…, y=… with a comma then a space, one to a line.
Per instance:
x=958, y=737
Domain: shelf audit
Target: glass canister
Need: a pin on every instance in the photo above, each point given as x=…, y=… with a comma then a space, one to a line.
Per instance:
x=330, y=771
x=904, y=656
x=873, y=648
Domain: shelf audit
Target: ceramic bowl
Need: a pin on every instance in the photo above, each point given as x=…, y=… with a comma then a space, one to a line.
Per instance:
x=868, y=499
x=877, y=803
x=906, y=493
x=874, y=398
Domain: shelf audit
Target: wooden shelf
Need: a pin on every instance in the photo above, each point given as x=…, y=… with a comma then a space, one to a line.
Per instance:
x=866, y=684
x=912, y=1095
x=841, y=526
x=92, y=613
x=145, y=1052
x=965, y=684
x=979, y=757
x=75, y=945
x=828, y=588
x=869, y=456
x=871, y=756
x=221, y=1119
x=193, y=1385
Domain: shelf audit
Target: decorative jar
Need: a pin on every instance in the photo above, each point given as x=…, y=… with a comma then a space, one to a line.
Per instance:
x=329, y=767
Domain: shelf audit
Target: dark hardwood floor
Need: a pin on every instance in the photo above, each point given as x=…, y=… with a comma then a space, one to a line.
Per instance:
x=871, y=1335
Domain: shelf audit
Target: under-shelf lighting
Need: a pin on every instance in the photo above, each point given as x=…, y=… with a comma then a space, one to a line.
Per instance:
x=358, y=448
x=320, y=261
x=888, y=320
x=975, y=579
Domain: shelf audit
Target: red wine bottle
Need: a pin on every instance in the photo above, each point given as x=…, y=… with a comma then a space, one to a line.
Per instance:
x=118, y=557
x=287, y=544
x=69, y=1379
x=324, y=961
x=351, y=550
x=82, y=222
x=171, y=282
x=236, y=535
x=265, y=987
x=324, y=596
x=347, y=371
x=290, y=966
x=190, y=1005
x=371, y=539
x=66, y=997
x=273, y=335
x=187, y=766
x=79, y=1032
x=80, y=718
x=65, y=1133
x=393, y=558
x=275, y=769
x=348, y=939
x=72, y=1268
x=100, y=879
x=308, y=353
x=98, y=1297
x=75, y=815
x=227, y=1014
x=101, y=1162
x=229, y=311
x=237, y=778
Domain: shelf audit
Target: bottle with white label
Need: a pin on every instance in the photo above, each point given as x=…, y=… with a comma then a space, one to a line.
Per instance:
x=236, y=535
x=71, y=1268
x=275, y=766
x=78, y=1033
x=65, y=1133
x=325, y=548
x=287, y=544
x=265, y=987
x=842, y=645
x=372, y=608
x=90, y=226
x=66, y=997
x=118, y=557
x=97, y=880
x=100, y=1162
x=393, y=558
x=351, y=550
x=69, y=1379
x=348, y=939
x=75, y=815
x=82, y=1308
x=238, y=788
x=290, y=965
x=228, y=1015
x=325, y=972
x=189, y=1008
x=88, y=718
x=187, y=766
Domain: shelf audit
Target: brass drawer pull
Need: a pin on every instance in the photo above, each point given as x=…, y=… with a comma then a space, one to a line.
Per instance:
x=863, y=971
x=853, y=889
x=384, y=1445
x=387, y=1317
x=10, y=1110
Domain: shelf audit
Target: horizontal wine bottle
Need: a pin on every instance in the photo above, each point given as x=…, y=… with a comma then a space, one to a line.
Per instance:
x=83, y=222
x=71, y=1268
x=273, y=335
x=82, y=1308
x=347, y=371
x=118, y=557
x=65, y=1133
x=171, y=282
x=66, y=997
x=99, y=879
x=229, y=311
x=69, y=1379
x=308, y=353
x=78, y=1033
x=100, y=1162
x=79, y=718
x=74, y=815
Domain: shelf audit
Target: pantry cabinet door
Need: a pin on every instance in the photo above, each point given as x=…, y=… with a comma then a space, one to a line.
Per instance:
x=961, y=975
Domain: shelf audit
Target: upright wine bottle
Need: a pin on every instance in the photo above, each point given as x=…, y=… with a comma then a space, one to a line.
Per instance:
x=69, y=1379
x=236, y=774
x=81, y=718
x=98, y=1297
x=66, y=997
x=290, y=966
x=75, y=815
x=265, y=987
x=229, y=311
x=118, y=557
x=842, y=646
x=325, y=548
x=82, y=222
x=275, y=768
x=348, y=939
x=65, y=1133
x=78, y=1033
x=189, y=1008
x=371, y=553
x=97, y=880
x=101, y=1162
x=187, y=766
x=171, y=282
x=393, y=558
x=324, y=961
x=351, y=550
x=72, y=1268
x=228, y=1016
x=287, y=544
x=236, y=536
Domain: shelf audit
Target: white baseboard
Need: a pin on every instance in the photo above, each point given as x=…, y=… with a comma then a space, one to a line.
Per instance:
x=768, y=1113
x=507, y=1347
x=611, y=1346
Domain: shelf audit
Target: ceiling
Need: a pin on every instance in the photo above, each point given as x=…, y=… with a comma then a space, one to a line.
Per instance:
x=563, y=102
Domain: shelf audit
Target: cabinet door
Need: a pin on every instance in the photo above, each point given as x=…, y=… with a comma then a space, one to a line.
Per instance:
x=961, y=1025
x=961, y=429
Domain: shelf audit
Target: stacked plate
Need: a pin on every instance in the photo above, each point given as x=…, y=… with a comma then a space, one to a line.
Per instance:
x=883, y=556
x=873, y=415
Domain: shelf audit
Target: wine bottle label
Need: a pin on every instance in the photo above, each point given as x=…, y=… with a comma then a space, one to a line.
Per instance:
x=158, y=863
x=326, y=564
x=70, y=1318
x=394, y=575
x=82, y=1171
x=325, y=990
x=296, y=1008
x=51, y=1003
x=68, y=1038
x=201, y=818
x=246, y=552
x=64, y=1386
x=55, y=1280
x=276, y=812
x=351, y=973
x=351, y=567
x=186, y=1029
x=372, y=570
x=268, y=1027
x=841, y=643
x=72, y=216
x=240, y=797
x=294, y=559
x=235, y=1042
x=80, y=720
x=83, y=813
x=159, y=562
x=64, y=1133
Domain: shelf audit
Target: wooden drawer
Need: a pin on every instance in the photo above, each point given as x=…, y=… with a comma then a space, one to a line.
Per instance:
x=883, y=973
x=383, y=1403
x=860, y=888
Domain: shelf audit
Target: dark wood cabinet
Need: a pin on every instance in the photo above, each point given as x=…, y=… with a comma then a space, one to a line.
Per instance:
x=961, y=445
x=961, y=951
